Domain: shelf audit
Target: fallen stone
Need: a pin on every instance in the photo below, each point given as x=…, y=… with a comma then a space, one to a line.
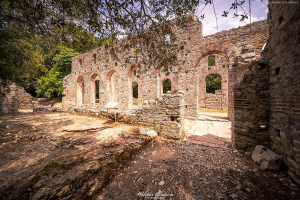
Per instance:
x=266, y=159
x=161, y=183
x=142, y=130
x=151, y=133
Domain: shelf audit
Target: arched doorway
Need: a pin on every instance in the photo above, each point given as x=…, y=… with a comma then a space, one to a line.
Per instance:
x=113, y=86
x=95, y=81
x=135, y=93
x=166, y=86
x=80, y=90
x=213, y=83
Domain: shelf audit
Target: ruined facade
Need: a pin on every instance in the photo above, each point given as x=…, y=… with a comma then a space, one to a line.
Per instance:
x=13, y=97
x=266, y=103
x=115, y=77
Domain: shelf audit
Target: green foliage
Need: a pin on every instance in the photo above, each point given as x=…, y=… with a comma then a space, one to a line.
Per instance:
x=51, y=84
x=213, y=82
x=167, y=86
x=211, y=61
x=135, y=90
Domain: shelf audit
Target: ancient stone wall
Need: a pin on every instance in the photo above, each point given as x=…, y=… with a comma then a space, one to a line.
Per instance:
x=164, y=114
x=265, y=105
x=116, y=76
x=13, y=97
x=215, y=101
x=251, y=108
x=284, y=54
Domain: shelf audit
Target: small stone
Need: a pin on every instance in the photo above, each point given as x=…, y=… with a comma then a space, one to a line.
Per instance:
x=7, y=126
x=161, y=183
x=248, y=190
x=239, y=186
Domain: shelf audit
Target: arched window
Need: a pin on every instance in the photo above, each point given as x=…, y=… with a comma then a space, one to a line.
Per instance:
x=80, y=62
x=97, y=91
x=94, y=59
x=211, y=61
x=167, y=86
x=213, y=83
x=80, y=92
x=135, y=90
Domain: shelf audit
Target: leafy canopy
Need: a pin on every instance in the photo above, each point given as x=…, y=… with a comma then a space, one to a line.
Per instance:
x=213, y=83
x=51, y=85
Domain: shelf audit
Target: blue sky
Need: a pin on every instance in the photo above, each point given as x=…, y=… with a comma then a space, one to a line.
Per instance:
x=259, y=12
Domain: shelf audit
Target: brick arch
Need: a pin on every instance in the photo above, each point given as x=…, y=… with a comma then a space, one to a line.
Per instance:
x=80, y=90
x=112, y=90
x=132, y=70
x=93, y=78
x=228, y=50
x=110, y=73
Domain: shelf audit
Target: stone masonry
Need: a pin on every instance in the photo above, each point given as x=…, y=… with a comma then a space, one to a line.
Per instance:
x=164, y=114
x=231, y=49
x=265, y=105
x=13, y=97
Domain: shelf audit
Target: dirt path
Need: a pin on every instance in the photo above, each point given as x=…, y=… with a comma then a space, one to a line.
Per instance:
x=62, y=156
x=52, y=155
x=176, y=170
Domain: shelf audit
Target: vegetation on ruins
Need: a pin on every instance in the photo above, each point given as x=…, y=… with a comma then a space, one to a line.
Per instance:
x=135, y=91
x=213, y=83
x=50, y=85
x=32, y=33
x=167, y=86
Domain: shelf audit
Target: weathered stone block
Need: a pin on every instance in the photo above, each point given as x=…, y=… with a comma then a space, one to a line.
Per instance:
x=266, y=158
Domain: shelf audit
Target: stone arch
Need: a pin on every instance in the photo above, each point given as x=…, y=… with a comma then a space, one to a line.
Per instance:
x=80, y=90
x=135, y=92
x=226, y=49
x=113, y=89
x=163, y=89
x=131, y=79
x=131, y=71
x=164, y=75
x=95, y=83
x=220, y=68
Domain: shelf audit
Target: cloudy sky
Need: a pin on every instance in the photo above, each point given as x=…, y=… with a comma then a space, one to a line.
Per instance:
x=259, y=11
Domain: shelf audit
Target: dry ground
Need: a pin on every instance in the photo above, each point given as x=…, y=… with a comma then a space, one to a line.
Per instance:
x=61, y=156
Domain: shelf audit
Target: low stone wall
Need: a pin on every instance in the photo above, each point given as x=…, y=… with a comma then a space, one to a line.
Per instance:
x=44, y=104
x=163, y=115
x=214, y=101
x=251, y=108
x=13, y=97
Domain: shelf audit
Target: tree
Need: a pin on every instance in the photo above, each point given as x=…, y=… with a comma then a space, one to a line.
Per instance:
x=135, y=90
x=167, y=86
x=143, y=22
x=213, y=83
x=33, y=32
x=51, y=84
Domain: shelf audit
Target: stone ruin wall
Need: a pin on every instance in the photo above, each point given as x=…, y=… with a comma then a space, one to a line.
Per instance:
x=251, y=108
x=13, y=97
x=269, y=92
x=164, y=114
x=215, y=101
x=231, y=48
x=284, y=84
